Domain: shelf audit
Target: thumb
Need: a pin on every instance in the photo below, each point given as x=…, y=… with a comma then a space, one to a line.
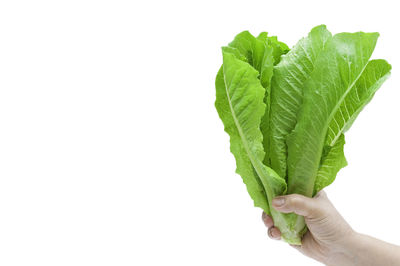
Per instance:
x=299, y=204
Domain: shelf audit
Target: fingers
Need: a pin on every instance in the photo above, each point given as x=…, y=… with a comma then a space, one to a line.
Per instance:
x=273, y=232
x=301, y=205
x=267, y=220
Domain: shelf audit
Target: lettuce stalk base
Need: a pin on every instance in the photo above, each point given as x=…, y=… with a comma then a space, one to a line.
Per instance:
x=292, y=226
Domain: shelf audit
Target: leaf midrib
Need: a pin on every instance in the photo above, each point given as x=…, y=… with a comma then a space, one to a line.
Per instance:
x=266, y=190
x=354, y=113
x=339, y=103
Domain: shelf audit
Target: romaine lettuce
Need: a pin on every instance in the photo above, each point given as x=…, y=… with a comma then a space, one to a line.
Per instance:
x=286, y=111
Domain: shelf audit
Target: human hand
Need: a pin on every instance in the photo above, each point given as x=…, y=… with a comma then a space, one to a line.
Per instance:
x=328, y=232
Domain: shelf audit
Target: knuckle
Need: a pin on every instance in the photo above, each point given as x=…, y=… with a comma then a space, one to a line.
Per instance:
x=321, y=195
x=318, y=210
x=295, y=201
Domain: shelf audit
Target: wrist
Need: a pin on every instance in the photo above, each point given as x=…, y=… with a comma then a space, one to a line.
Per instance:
x=362, y=250
x=345, y=251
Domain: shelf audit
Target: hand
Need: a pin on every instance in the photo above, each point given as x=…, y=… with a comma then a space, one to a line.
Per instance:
x=328, y=231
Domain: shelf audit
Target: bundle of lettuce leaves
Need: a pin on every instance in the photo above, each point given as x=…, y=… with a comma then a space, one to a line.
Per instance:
x=286, y=111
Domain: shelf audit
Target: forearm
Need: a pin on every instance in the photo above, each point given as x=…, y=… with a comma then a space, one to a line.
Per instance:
x=363, y=250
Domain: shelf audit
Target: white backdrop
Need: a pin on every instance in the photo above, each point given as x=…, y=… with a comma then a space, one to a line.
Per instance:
x=111, y=151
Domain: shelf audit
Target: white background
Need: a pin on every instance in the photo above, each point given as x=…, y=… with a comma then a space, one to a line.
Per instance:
x=112, y=153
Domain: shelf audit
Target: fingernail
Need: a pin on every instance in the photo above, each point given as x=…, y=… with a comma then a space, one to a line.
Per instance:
x=278, y=202
x=270, y=232
x=273, y=234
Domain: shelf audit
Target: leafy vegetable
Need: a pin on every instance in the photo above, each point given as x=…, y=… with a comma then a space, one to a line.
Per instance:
x=286, y=112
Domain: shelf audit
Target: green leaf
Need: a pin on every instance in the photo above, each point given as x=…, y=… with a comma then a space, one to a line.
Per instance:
x=240, y=105
x=336, y=71
x=263, y=36
x=287, y=92
x=279, y=48
x=376, y=72
x=331, y=163
x=259, y=54
x=235, y=52
x=265, y=79
x=252, y=48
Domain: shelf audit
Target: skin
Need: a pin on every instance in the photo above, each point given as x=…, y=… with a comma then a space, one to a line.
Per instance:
x=330, y=239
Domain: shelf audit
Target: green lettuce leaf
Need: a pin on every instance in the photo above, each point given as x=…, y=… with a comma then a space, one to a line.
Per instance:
x=287, y=92
x=336, y=71
x=280, y=48
x=376, y=72
x=332, y=161
x=240, y=105
x=275, y=49
x=261, y=53
x=252, y=48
